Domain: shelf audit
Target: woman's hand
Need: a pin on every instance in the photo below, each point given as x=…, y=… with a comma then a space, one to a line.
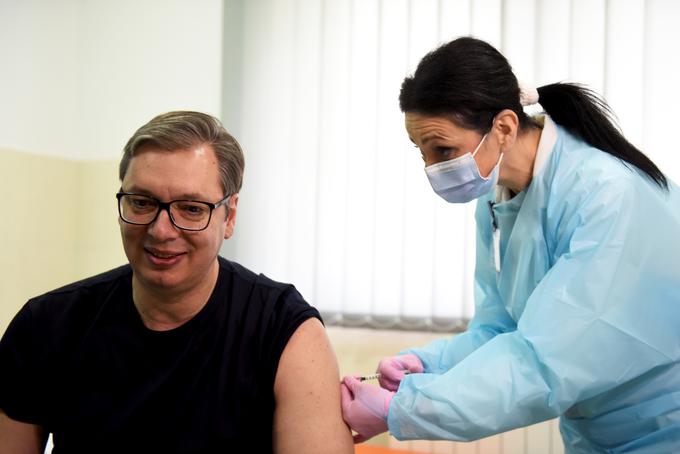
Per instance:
x=364, y=408
x=392, y=369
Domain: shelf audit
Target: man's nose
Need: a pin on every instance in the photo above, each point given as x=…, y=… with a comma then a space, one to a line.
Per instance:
x=162, y=227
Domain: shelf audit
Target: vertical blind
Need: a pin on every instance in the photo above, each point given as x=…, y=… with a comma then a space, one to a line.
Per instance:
x=335, y=199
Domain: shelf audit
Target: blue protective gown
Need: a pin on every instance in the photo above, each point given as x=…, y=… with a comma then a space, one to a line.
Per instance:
x=581, y=322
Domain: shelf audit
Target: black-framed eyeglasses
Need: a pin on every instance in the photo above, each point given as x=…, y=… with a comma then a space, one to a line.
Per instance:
x=193, y=215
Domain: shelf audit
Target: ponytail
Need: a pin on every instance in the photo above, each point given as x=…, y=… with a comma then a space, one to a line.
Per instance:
x=580, y=111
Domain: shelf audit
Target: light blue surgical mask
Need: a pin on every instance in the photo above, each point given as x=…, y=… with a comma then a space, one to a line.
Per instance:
x=458, y=180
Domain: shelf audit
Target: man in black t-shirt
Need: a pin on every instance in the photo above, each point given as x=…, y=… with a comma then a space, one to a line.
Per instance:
x=180, y=350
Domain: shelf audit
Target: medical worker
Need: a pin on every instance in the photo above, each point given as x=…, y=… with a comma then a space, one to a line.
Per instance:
x=577, y=280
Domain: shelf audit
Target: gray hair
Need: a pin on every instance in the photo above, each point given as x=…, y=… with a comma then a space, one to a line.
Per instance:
x=186, y=129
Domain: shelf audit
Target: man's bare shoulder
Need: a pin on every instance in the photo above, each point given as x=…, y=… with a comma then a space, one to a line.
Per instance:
x=19, y=437
x=307, y=418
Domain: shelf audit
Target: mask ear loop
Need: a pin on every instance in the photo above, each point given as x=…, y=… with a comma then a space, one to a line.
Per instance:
x=479, y=145
x=500, y=159
x=493, y=120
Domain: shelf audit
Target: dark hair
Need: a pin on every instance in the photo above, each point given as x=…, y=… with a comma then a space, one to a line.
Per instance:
x=185, y=129
x=471, y=81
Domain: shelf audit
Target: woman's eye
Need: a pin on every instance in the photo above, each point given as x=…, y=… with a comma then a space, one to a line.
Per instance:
x=444, y=150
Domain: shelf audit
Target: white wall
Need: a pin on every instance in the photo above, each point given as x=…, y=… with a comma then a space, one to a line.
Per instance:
x=39, y=76
x=79, y=76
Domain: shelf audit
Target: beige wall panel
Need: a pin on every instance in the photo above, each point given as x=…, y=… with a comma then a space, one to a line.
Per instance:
x=38, y=229
x=98, y=244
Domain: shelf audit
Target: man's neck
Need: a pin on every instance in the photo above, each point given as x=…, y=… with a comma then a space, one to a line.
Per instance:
x=163, y=309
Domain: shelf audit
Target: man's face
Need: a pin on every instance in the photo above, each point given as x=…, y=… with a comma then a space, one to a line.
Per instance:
x=163, y=257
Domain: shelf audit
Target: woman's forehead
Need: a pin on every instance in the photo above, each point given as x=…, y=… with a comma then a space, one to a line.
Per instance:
x=422, y=128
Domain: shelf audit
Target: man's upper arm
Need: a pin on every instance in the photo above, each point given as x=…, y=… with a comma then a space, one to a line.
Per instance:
x=19, y=437
x=307, y=417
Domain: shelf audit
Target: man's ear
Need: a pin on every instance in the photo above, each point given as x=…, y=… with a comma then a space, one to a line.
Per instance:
x=505, y=127
x=230, y=222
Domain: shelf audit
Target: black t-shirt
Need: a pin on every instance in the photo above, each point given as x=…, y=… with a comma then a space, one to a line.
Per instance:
x=80, y=362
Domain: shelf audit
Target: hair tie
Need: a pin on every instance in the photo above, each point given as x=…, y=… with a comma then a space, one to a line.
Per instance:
x=528, y=95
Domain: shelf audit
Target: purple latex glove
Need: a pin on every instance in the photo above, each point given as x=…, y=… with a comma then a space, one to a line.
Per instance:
x=392, y=369
x=364, y=408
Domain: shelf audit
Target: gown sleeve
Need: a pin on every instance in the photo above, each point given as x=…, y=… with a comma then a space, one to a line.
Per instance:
x=606, y=312
x=490, y=319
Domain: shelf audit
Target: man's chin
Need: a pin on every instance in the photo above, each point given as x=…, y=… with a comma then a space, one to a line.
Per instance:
x=158, y=280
